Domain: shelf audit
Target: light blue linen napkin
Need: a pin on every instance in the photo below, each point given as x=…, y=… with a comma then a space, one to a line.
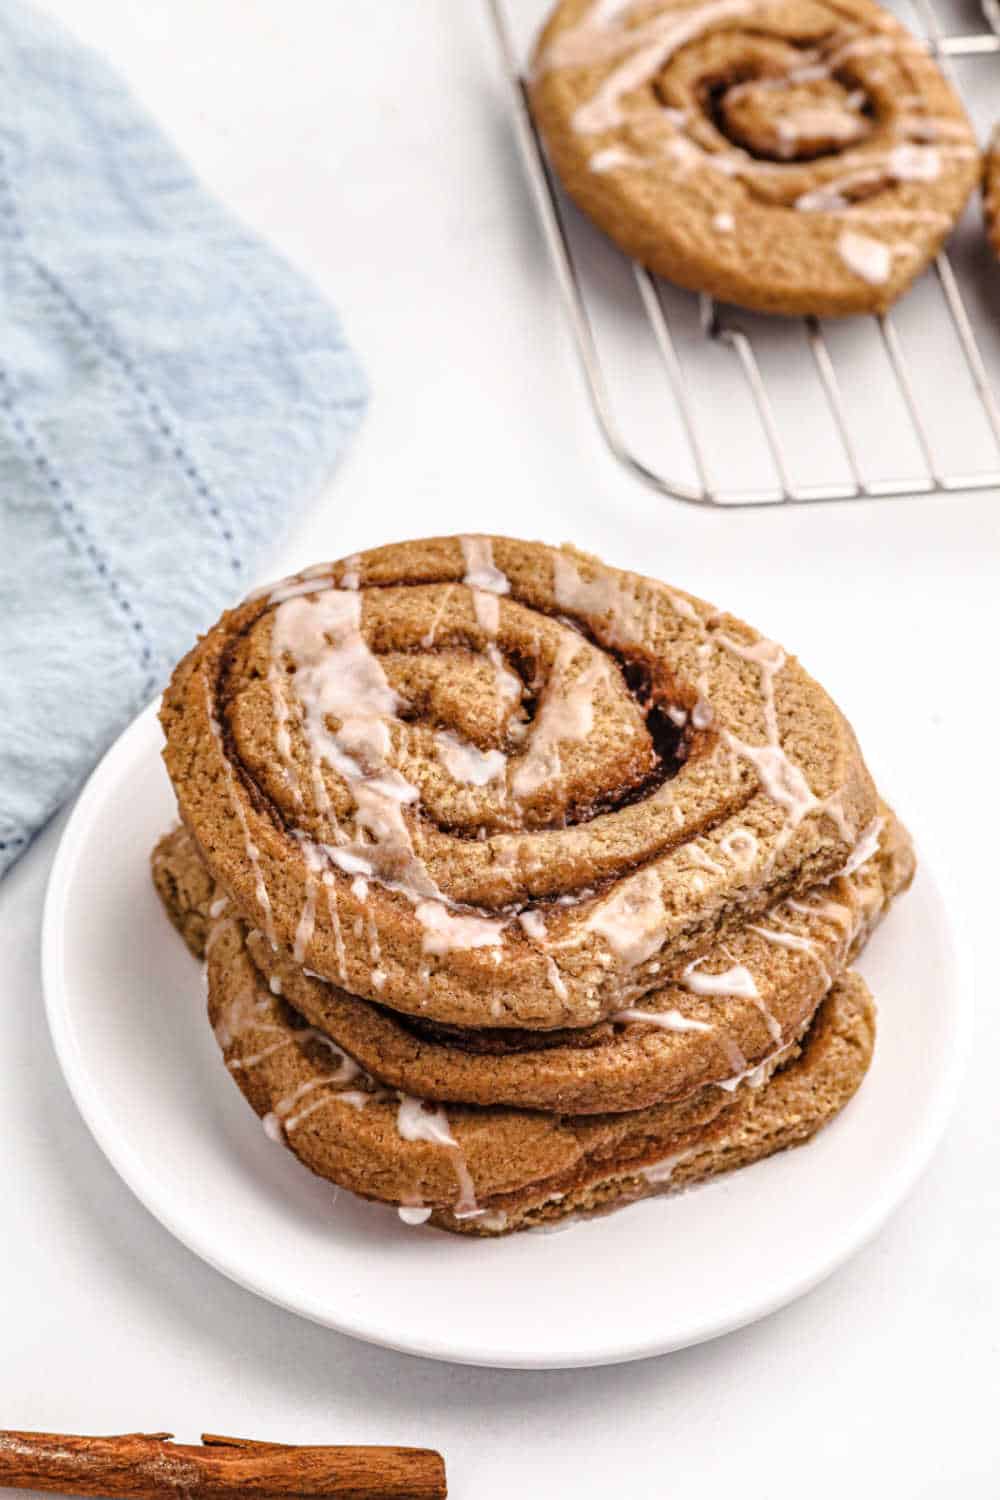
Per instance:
x=170, y=390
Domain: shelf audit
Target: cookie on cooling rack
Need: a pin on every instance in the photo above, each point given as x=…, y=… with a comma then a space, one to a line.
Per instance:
x=803, y=158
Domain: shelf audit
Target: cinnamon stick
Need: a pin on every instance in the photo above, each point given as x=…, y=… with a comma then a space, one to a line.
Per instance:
x=148, y=1466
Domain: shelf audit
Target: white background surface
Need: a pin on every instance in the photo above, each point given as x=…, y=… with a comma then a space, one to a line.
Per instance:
x=369, y=142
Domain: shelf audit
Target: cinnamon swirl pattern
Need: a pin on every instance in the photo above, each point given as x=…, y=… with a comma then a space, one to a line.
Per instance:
x=791, y=156
x=518, y=876
x=491, y=783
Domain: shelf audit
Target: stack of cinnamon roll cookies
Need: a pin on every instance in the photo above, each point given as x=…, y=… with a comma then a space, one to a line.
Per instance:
x=793, y=156
x=527, y=887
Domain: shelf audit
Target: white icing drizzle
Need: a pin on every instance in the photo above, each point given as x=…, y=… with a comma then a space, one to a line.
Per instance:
x=909, y=162
x=486, y=607
x=555, y=978
x=357, y=1098
x=250, y=848
x=736, y=980
x=414, y=1213
x=722, y=223
x=566, y=713
x=416, y=1121
x=782, y=780
x=830, y=121
x=631, y=919
x=480, y=571
x=667, y=1020
x=534, y=925
x=338, y=677
x=755, y=1077
x=283, y=1117
x=870, y=259
x=445, y=930
x=602, y=597
x=467, y=763
x=333, y=909
x=610, y=158
x=866, y=847
x=346, y=1070
x=290, y=588
x=782, y=938
x=374, y=946
x=493, y=1219
x=769, y=658
x=239, y=1064
x=249, y=1011
x=307, y=919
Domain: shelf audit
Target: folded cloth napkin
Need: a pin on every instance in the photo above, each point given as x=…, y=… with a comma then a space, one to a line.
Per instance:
x=169, y=390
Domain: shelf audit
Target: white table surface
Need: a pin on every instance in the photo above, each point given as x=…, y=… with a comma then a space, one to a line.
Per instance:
x=368, y=141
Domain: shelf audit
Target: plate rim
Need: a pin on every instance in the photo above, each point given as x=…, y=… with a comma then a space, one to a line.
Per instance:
x=130, y=1168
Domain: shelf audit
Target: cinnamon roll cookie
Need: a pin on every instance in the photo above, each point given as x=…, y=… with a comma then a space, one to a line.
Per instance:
x=490, y=1170
x=494, y=784
x=792, y=156
x=525, y=886
x=728, y=1012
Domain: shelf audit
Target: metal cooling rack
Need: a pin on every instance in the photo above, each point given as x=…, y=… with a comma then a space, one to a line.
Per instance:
x=875, y=351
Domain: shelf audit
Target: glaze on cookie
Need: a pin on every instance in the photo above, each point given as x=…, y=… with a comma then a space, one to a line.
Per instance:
x=526, y=887
x=491, y=783
x=485, y=1170
x=791, y=156
x=726, y=1014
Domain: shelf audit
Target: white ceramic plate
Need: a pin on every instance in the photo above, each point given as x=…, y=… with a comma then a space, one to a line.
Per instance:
x=126, y=1007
